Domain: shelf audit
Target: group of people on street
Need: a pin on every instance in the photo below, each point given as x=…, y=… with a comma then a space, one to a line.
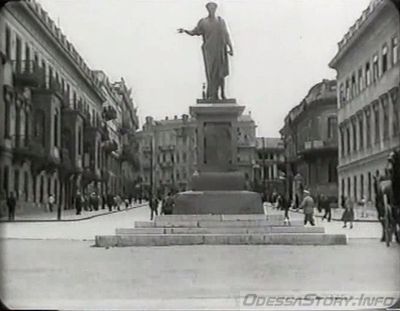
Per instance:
x=94, y=202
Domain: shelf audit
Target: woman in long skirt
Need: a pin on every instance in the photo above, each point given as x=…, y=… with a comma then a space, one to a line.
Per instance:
x=348, y=214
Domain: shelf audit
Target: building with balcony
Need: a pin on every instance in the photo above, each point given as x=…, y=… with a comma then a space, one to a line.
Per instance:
x=310, y=140
x=269, y=169
x=172, y=153
x=368, y=65
x=53, y=133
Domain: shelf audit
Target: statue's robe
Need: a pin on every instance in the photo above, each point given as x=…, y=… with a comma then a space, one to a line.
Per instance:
x=215, y=40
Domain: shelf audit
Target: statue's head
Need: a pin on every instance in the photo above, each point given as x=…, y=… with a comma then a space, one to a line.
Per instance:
x=211, y=7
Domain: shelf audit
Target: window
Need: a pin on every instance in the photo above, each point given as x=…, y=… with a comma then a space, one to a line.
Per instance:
x=342, y=97
x=18, y=53
x=354, y=128
x=367, y=74
x=355, y=188
x=361, y=186
x=360, y=80
x=27, y=58
x=332, y=125
x=79, y=140
x=16, y=183
x=26, y=188
x=377, y=132
x=6, y=176
x=384, y=59
x=369, y=186
x=348, y=140
x=184, y=157
x=396, y=119
x=332, y=175
x=361, y=132
x=368, y=129
x=395, y=50
x=375, y=68
x=348, y=186
x=385, y=121
x=56, y=129
x=353, y=85
x=8, y=42
x=7, y=123
x=343, y=186
x=342, y=142
x=347, y=90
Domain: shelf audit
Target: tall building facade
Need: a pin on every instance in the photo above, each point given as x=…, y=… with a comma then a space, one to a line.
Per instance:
x=269, y=171
x=368, y=75
x=168, y=152
x=311, y=145
x=54, y=124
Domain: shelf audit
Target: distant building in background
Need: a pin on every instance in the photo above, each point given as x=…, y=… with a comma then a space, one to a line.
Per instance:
x=269, y=169
x=310, y=140
x=368, y=66
x=62, y=125
x=174, y=152
x=246, y=154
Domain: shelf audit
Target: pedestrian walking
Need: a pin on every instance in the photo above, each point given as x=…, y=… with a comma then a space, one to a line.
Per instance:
x=285, y=206
x=110, y=202
x=78, y=203
x=126, y=202
x=326, y=207
x=11, y=204
x=117, y=202
x=153, y=207
x=363, y=207
x=167, y=205
x=348, y=214
x=103, y=201
x=308, y=208
x=51, y=202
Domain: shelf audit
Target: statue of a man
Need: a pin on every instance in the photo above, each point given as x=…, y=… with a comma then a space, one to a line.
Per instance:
x=216, y=47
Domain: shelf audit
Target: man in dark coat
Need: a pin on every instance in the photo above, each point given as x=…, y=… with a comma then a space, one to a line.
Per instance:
x=11, y=203
x=153, y=207
x=78, y=203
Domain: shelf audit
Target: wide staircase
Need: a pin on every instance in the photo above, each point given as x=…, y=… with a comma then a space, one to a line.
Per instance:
x=219, y=230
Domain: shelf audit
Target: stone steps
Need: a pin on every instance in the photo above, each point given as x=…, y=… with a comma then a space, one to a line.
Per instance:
x=221, y=230
x=171, y=223
x=220, y=239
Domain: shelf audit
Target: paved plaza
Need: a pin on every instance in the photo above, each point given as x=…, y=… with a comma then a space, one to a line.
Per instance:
x=54, y=265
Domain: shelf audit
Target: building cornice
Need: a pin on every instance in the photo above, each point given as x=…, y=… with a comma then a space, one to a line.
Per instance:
x=34, y=10
x=358, y=29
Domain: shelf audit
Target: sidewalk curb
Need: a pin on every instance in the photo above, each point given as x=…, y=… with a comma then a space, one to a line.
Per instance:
x=70, y=220
x=337, y=219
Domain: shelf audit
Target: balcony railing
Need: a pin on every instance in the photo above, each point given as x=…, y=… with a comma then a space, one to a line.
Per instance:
x=109, y=113
x=110, y=146
x=27, y=73
x=167, y=148
x=27, y=148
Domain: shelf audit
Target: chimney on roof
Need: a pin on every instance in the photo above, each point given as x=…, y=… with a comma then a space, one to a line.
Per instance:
x=166, y=118
x=175, y=117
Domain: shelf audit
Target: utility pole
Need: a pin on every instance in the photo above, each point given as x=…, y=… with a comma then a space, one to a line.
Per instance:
x=263, y=171
x=151, y=169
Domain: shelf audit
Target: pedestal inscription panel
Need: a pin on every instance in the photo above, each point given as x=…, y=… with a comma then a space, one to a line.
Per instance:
x=217, y=145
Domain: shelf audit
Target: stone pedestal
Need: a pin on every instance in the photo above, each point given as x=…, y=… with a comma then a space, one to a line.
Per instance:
x=217, y=187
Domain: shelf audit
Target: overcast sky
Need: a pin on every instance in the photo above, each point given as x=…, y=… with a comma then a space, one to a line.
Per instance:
x=282, y=48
